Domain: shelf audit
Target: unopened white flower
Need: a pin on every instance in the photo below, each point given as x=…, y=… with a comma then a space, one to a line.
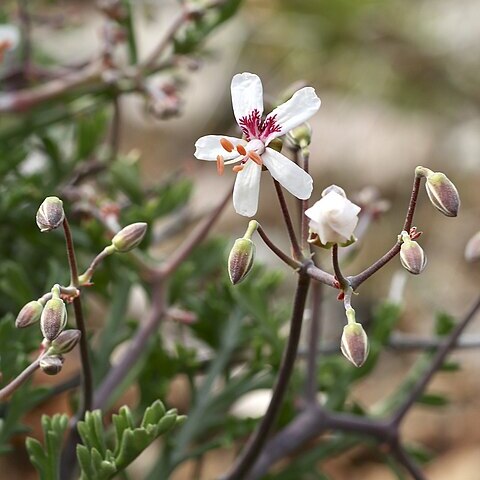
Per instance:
x=253, y=151
x=253, y=404
x=9, y=38
x=333, y=218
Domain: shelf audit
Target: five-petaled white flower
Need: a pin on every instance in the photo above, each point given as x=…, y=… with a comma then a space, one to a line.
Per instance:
x=333, y=218
x=9, y=38
x=253, y=151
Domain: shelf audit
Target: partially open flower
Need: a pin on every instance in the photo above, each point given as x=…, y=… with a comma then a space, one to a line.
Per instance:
x=50, y=215
x=29, y=314
x=354, y=343
x=129, y=237
x=333, y=218
x=412, y=255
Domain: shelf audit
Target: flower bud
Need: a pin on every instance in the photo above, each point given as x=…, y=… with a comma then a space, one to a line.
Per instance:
x=354, y=343
x=64, y=343
x=129, y=237
x=472, y=250
x=301, y=136
x=51, y=364
x=443, y=194
x=240, y=260
x=29, y=314
x=54, y=318
x=412, y=256
x=50, y=215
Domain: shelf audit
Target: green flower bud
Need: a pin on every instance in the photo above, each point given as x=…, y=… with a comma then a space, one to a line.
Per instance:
x=276, y=144
x=412, y=256
x=442, y=193
x=29, y=314
x=129, y=237
x=54, y=318
x=354, y=344
x=64, y=343
x=472, y=250
x=51, y=364
x=50, y=215
x=301, y=136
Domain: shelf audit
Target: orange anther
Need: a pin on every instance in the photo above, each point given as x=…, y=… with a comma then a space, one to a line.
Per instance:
x=220, y=165
x=238, y=168
x=227, y=145
x=256, y=158
x=241, y=150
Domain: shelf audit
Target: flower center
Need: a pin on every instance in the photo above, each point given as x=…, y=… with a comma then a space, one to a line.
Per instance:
x=251, y=151
x=253, y=128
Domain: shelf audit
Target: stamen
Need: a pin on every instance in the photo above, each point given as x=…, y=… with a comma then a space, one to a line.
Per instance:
x=238, y=168
x=241, y=150
x=220, y=165
x=256, y=158
x=227, y=145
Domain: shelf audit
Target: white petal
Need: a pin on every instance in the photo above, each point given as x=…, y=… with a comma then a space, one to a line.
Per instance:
x=246, y=189
x=288, y=174
x=208, y=147
x=294, y=112
x=247, y=95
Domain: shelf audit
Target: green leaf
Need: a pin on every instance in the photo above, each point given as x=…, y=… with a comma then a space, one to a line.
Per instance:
x=444, y=324
x=433, y=400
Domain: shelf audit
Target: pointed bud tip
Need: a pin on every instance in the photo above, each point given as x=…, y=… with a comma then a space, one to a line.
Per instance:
x=240, y=260
x=129, y=237
x=50, y=214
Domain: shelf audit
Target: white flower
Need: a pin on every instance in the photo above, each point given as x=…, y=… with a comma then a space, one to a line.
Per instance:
x=253, y=151
x=333, y=218
x=9, y=38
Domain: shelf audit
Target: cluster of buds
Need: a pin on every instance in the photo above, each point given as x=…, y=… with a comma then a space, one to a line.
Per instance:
x=242, y=255
x=412, y=256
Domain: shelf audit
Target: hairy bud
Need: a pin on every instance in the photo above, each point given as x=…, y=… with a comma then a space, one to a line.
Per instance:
x=354, y=343
x=472, y=250
x=64, y=343
x=54, y=318
x=242, y=255
x=412, y=256
x=29, y=314
x=441, y=191
x=129, y=237
x=51, y=364
x=50, y=215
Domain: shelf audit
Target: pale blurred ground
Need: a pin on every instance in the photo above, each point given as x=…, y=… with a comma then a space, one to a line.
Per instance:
x=363, y=135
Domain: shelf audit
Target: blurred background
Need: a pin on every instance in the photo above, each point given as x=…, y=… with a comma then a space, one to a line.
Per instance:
x=399, y=84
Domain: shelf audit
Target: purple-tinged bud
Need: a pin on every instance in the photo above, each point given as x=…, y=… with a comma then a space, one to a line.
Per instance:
x=242, y=255
x=54, y=318
x=50, y=215
x=64, y=343
x=129, y=237
x=412, y=255
x=443, y=194
x=51, y=364
x=29, y=314
x=354, y=343
x=472, y=250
